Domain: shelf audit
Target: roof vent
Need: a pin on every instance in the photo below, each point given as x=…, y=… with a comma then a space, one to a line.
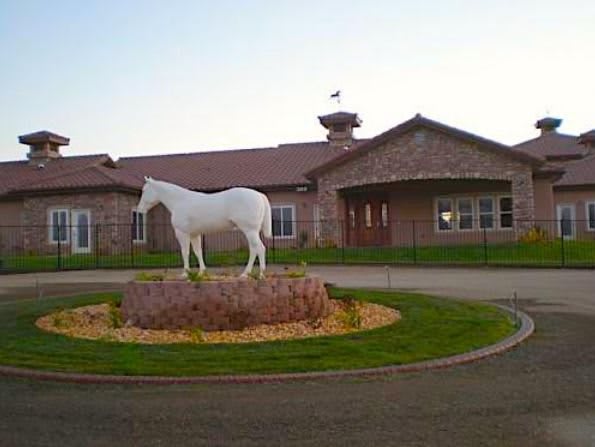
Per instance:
x=43, y=145
x=548, y=124
x=340, y=127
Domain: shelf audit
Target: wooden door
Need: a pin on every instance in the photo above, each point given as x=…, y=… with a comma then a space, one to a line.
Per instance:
x=368, y=221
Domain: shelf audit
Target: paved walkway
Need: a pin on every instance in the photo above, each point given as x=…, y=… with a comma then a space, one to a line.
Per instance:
x=541, y=394
x=553, y=289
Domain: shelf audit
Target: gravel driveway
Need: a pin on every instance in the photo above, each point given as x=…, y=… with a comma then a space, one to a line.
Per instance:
x=541, y=394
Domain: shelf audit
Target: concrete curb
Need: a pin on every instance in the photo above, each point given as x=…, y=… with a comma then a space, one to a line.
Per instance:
x=526, y=329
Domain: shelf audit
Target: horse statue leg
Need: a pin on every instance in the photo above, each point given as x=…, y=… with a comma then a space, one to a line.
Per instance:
x=197, y=247
x=256, y=248
x=184, y=241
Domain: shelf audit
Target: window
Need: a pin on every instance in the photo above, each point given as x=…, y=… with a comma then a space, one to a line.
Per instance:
x=368, y=215
x=59, y=225
x=384, y=214
x=465, y=213
x=486, y=212
x=590, y=215
x=352, y=216
x=139, y=222
x=505, y=204
x=445, y=215
x=283, y=220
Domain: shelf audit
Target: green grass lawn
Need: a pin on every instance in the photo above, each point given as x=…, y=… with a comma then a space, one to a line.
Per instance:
x=553, y=254
x=430, y=328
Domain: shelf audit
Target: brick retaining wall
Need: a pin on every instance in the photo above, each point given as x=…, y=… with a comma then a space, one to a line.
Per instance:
x=223, y=305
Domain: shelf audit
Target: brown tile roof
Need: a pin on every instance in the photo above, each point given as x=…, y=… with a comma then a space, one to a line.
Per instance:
x=15, y=175
x=553, y=145
x=284, y=165
x=421, y=121
x=578, y=172
x=98, y=176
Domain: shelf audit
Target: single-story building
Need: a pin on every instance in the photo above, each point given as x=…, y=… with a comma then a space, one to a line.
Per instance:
x=421, y=180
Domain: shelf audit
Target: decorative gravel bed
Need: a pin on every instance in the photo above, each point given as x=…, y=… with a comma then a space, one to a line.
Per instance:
x=100, y=322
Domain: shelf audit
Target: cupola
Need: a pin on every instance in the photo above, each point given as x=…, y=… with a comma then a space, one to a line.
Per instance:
x=340, y=127
x=548, y=124
x=43, y=145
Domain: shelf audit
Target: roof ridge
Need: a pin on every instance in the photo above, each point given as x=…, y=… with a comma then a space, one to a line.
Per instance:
x=182, y=154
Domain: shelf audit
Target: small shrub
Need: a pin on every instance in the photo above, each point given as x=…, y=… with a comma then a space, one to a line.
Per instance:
x=197, y=334
x=303, y=239
x=535, y=235
x=198, y=276
x=115, y=316
x=298, y=273
x=146, y=276
x=328, y=243
x=254, y=275
x=351, y=315
x=62, y=319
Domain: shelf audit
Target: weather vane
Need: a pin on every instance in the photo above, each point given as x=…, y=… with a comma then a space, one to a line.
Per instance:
x=336, y=96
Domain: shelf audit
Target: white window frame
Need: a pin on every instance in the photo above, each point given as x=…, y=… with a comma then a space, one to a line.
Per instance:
x=511, y=212
x=452, y=211
x=458, y=213
x=494, y=213
x=316, y=217
x=144, y=239
x=293, y=220
x=51, y=225
x=587, y=221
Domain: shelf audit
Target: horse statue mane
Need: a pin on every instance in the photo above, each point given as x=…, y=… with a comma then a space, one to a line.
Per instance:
x=194, y=214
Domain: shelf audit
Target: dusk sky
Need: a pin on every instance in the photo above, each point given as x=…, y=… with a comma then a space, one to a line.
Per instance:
x=149, y=77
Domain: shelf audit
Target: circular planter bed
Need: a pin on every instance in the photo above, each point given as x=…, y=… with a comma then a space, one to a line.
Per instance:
x=223, y=304
x=429, y=328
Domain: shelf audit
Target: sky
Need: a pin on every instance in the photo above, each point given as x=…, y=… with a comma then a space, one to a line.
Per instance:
x=153, y=77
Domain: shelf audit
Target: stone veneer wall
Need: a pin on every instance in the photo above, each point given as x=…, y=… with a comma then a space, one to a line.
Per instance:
x=112, y=210
x=223, y=305
x=425, y=154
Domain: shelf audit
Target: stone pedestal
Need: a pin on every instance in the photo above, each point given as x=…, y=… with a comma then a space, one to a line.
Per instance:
x=223, y=305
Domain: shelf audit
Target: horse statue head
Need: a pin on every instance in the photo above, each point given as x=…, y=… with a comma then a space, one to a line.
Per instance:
x=148, y=199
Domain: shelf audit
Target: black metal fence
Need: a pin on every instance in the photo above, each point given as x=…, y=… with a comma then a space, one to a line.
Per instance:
x=482, y=242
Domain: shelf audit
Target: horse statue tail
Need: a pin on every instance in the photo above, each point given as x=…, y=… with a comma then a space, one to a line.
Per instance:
x=267, y=222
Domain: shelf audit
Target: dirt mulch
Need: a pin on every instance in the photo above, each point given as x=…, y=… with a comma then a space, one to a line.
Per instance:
x=96, y=322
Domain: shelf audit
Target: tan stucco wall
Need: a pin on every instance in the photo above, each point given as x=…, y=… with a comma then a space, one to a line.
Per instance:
x=544, y=199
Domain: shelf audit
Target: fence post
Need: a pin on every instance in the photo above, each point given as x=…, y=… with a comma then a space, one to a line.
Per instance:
x=131, y=245
x=562, y=253
x=414, y=241
x=274, y=254
x=342, y=242
x=96, y=245
x=485, y=246
x=59, y=247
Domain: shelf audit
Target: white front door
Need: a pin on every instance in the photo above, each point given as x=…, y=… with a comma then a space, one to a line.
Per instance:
x=81, y=231
x=566, y=214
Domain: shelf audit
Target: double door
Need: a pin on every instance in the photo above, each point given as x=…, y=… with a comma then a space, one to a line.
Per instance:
x=368, y=221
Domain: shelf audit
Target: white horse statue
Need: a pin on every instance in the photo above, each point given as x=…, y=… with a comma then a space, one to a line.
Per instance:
x=194, y=214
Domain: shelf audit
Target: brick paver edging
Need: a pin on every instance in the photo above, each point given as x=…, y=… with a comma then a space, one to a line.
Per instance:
x=526, y=329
